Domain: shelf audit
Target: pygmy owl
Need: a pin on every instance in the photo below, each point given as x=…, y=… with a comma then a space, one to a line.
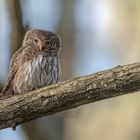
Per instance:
x=35, y=65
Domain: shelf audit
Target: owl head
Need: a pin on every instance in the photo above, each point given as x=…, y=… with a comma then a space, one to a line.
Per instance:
x=44, y=41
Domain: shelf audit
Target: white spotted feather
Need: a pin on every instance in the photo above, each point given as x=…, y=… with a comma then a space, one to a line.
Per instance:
x=40, y=72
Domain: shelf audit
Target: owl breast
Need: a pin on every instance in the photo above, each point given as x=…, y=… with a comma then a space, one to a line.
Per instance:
x=39, y=72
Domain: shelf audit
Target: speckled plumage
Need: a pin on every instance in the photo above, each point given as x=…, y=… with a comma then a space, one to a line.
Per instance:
x=36, y=64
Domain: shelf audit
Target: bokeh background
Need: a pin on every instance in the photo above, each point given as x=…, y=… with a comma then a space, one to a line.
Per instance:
x=96, y=35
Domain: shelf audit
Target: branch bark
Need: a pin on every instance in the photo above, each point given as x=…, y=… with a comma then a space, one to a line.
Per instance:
x=69, y=94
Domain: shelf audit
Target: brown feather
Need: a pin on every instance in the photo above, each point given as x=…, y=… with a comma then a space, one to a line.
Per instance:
x=35, y=64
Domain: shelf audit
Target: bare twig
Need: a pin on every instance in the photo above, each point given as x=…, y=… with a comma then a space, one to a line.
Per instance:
x=69, y=94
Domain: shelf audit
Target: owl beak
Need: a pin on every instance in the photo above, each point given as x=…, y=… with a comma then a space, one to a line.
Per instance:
x=41, y=47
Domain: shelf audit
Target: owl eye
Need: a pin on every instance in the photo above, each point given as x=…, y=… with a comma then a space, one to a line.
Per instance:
x=48, y=42
x=36, y=40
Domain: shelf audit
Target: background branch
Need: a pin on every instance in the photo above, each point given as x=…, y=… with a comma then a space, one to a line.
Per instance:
x=69, y=94
x=18, y=30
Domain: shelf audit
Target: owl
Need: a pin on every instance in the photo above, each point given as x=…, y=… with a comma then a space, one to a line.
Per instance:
x=36, y=64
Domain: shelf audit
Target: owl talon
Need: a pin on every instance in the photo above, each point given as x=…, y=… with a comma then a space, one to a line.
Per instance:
x=14, y=126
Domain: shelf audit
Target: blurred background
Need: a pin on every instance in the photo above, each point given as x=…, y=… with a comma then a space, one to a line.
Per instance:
x=96, y=35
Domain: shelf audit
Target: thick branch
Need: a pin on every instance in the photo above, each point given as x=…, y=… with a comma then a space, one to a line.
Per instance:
x=69, y=94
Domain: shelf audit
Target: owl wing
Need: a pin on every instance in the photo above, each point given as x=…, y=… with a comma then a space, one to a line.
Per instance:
x=14, y=64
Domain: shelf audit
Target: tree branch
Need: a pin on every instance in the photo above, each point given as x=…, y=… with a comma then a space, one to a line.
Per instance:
x=69, y=94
